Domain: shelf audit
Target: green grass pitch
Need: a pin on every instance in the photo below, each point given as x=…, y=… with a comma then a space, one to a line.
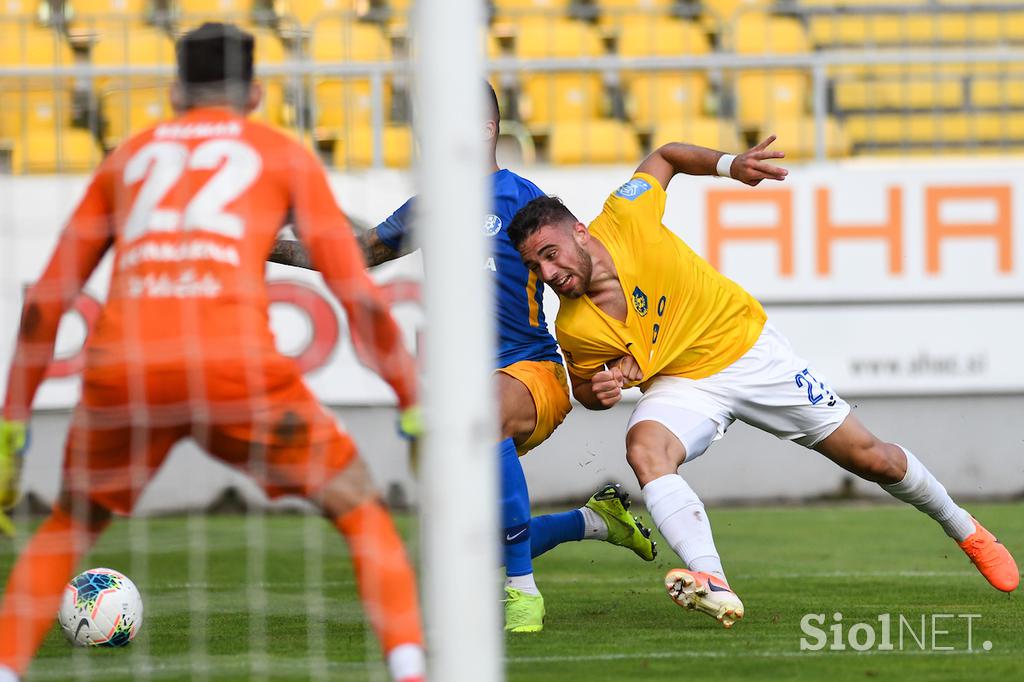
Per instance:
x=608, y=615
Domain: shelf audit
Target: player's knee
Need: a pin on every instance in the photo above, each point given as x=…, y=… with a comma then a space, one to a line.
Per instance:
x=649, y=461
x=346, y=490
x=883, y=463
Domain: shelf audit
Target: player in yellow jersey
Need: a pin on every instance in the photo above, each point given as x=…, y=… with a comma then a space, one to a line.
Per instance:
x=639, y=307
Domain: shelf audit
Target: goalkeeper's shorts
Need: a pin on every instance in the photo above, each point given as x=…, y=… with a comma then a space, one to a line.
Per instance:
x=266, y=423
x=547, y=384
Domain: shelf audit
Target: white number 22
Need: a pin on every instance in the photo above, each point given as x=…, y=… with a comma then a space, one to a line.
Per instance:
x=161, y=165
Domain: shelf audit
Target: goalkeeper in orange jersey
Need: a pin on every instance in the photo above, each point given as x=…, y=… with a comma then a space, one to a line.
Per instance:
x=183, y=348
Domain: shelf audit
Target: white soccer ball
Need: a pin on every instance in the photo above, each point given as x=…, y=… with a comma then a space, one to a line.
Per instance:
x=101, y=607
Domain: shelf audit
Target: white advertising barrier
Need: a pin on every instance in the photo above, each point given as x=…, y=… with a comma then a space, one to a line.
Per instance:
x=890, y=279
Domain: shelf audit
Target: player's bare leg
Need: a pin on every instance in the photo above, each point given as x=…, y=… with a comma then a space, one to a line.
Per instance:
x=36, y=582
x=387, y=585
x=655, y=455
x=853, y=447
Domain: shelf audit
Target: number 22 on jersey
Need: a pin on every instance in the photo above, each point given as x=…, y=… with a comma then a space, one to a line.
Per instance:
x=160, y=165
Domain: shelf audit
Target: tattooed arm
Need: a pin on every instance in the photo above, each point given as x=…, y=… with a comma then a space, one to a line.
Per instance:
x=386, y=242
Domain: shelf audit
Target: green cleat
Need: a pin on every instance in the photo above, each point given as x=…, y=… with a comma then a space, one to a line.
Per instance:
x=611, y=503
x=523, y=612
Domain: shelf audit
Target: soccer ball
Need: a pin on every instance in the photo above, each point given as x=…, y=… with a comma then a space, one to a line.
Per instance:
x=101, y=607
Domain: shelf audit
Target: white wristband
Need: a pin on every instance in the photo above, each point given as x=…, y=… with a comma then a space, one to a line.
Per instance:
x=724, y=167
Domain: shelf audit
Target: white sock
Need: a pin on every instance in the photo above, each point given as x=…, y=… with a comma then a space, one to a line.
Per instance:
x=594, y=527
x=680, y=516
x=407, y=660
x=7, y=675
x=920, y=489
x=523, y=583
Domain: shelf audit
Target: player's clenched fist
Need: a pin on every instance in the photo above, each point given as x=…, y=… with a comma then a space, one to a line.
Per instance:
x=607, y=386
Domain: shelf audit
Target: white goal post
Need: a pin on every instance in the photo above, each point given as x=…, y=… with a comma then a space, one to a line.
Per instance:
x=459, y=501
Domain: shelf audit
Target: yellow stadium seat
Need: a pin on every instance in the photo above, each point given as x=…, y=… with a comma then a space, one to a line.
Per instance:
x=936, y=129
x=614, y=13
x=354, y=148
x=560, y=96
x=138, y=47
x=796, y=137
x=974, y=28
x=27, y=110
x=662, y=96
x=130, y=110
x=701, y=130
x=20, y=9
x=89, y=14
x=307, y=12
x=763, y=96
x=27, y=45
x=54, y=150
x=909, y=90
x=593, y=141
x=343, y=101
x=1006, y=90
x=718, y=15
x=756, y=33
x=516, y=9
x=231, y=9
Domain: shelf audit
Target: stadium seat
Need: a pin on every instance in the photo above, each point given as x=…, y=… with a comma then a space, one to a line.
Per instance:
x=354, y=147
x=27, y=45
x=518, y=9
x=306, y=12
x=796, y=137
x=763, y=96
x=703, y=130
x=54, y=150
x=593, y=141
x=663, y=96
x=718, y=15
x=994, y=91
x=35, y=109
x=88, y=15
x=757, y=33
x=912, y=89
x=347, y=101
x=612, y=14
x=232, y=10
x=130, y=104
x=545, y=98
x=895, y=29
x=936, y=129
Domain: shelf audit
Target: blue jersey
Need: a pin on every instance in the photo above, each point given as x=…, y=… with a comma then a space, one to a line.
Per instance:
x=519, y=296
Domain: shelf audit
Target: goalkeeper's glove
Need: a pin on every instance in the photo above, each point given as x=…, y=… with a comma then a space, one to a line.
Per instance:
x=13, y=436
x=410, y=422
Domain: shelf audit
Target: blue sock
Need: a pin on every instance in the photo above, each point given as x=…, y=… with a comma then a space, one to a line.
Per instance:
x=515, y=511
x=551, y=530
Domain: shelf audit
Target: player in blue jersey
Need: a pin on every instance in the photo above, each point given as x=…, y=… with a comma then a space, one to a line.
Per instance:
x=532, y=389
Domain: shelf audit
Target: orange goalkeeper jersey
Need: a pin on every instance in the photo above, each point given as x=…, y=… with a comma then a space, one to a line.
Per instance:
x=192, y=207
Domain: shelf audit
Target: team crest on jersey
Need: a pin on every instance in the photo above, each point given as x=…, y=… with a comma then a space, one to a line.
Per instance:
x=640, y=301
x=492, y=225
x=632, y=189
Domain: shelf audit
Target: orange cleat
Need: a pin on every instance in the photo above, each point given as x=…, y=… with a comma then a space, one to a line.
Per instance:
x=705, y=593
x=992, y=559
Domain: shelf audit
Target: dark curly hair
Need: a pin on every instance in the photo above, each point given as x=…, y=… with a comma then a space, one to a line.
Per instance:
x=535, y=215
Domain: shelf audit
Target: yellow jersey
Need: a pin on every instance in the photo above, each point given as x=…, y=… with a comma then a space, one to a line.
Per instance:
x=683, y=317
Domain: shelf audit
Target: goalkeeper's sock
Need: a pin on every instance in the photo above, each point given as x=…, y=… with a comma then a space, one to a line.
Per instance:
x=681, y=518
x=551, y=530
x=515, y=513
x=36, y=585
x=922, y=490
x=387, y=585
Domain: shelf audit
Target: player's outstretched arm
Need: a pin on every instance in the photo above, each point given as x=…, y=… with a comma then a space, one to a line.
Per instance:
x=86, y=238
x=750, y=167
x=375, y=249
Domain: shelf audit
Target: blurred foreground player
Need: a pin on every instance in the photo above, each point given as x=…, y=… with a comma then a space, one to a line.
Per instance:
x=530, y=382
x=183, y=348
x=639, y=307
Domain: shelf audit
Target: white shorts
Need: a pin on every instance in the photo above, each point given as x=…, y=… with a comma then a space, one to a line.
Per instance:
x=770, y=387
